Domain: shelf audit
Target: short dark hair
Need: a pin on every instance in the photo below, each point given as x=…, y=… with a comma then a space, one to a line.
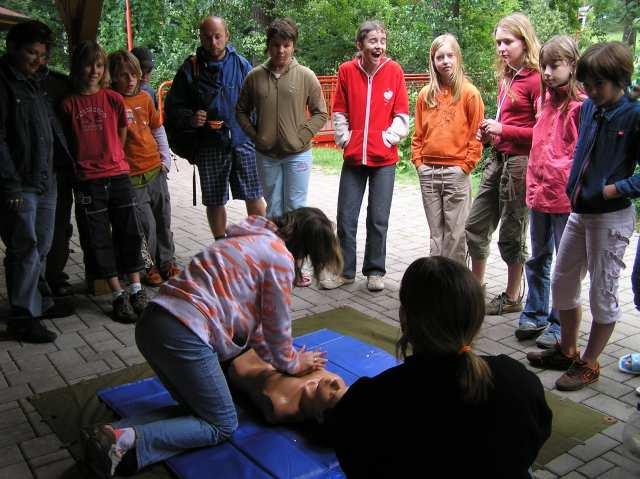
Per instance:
x=26, y=33
x=145, y=57
x=284, y=29
x=369, y=26
x=606, y=61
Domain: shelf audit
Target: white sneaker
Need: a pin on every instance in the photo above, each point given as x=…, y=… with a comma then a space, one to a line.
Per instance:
x=332, y=281
x=375, y=283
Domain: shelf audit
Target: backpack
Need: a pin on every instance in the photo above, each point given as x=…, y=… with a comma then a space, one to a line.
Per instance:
x=184, y=142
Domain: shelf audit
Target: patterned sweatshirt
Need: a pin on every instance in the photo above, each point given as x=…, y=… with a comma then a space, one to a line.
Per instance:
x=237, y=294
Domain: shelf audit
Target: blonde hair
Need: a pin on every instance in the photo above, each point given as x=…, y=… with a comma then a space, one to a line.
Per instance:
x=561, y=48
x=457, y=77
x=121, y=61
x=520, y=27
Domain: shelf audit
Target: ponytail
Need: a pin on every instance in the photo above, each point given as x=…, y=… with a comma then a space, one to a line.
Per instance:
x=441, y=312
x=475, y=378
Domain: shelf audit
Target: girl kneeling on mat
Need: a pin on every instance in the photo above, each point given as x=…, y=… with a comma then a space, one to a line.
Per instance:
x=233, y=295
x=488, y=411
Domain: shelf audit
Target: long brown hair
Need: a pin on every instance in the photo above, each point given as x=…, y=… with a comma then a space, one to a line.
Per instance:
x=442, y=310
x=309, y=234
x=561, y=48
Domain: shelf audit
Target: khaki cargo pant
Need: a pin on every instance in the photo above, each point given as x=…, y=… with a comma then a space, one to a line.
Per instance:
x=501, y=199
x=446, y=196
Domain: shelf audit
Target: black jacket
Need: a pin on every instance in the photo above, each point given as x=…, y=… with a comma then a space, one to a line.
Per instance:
x=29, y=132
x=410, y=421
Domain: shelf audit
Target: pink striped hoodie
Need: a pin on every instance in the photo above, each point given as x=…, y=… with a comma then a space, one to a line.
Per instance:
x=237, y=294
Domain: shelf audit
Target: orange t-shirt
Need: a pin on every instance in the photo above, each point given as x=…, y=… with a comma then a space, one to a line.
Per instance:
x=141, y=148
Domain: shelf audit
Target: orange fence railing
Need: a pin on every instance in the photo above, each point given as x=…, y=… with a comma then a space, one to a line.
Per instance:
x=328, y=83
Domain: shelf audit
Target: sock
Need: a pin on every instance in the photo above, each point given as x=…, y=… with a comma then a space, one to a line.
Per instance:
x=134, y=288
x=125, y=438
x=116, y=294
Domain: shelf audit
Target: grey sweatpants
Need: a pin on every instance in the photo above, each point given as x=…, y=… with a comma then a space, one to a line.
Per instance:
x=154, y=212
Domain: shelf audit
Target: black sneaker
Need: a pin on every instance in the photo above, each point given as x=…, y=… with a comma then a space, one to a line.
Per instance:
x=100, y=452
x=122, y=310
x=139, y=301
x=30, y=330
x=61, y=309
x=63, y=288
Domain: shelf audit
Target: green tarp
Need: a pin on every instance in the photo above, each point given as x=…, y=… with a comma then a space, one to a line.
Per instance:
x=69, y=409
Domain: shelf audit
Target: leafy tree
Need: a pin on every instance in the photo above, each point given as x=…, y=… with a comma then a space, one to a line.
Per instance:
x=44, y=11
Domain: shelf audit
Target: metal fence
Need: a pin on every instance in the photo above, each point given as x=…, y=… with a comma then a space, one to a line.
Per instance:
x=325, y=136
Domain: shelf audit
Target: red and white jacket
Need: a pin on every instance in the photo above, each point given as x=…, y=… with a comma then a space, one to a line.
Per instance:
x=370, y=113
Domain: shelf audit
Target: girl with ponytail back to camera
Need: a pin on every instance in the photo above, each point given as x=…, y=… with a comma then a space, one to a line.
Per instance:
x=445, y=409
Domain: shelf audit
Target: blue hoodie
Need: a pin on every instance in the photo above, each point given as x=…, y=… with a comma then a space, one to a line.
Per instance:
x=607, y=152
x=215, y=88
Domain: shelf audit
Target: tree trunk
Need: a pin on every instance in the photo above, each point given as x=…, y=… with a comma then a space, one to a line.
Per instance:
x=629, y=33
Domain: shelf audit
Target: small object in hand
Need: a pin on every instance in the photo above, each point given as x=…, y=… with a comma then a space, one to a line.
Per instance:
x=215, y=124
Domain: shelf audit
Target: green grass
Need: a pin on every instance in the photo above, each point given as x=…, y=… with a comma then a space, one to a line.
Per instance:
x=330, y=161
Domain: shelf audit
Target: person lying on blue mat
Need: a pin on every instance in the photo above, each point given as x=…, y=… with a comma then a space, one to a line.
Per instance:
x=444, y=412
x=233, y=295
x=282, y=398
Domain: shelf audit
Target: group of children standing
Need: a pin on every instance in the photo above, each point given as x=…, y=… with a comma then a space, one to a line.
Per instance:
x=557, y=160
x=121, y=161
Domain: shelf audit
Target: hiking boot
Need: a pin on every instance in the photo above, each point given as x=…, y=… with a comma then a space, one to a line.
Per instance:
x=101, y=454
x=170, y=270
x=333, y=281
x=375, y=283
x=501, y=304
x=139, y=301
x=122, y=310
x=550, y=337
x=62, y=307
x=552, y=358
x=578, y=376
x=528, y=329
x=153, y=277
x=30, y=330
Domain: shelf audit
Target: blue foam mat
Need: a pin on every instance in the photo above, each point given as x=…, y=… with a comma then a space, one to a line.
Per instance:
x=258, y=450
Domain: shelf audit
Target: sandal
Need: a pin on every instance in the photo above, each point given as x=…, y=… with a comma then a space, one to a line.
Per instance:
x=630, y=363
x=303, y=282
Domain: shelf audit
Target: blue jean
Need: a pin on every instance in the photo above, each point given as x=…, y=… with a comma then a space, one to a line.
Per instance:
x=27, y=235
x=546, y=231
x=353, y=181
x=191, y=372
x=285, y=181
